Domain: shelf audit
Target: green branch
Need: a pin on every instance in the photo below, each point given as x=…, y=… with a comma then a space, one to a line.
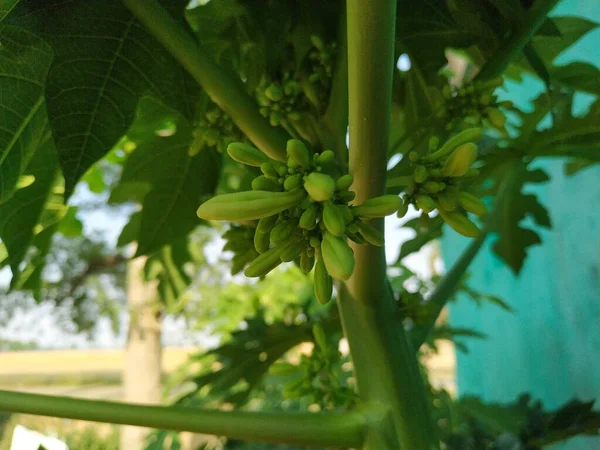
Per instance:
x=224, y=90
x=446, y=288
x=517, y=41
x=324, y=429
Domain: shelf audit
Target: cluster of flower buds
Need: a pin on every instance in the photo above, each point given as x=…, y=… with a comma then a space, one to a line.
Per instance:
x=474, y=104
x=319, y=376
x=321, y=60
x=304, y=213
x=215, y=129
x=281, y=101
x=436, y=179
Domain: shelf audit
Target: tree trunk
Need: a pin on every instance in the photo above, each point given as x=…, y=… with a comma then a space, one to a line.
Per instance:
x=142, y=369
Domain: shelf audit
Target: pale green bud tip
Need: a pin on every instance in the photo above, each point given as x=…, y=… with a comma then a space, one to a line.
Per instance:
x=319, y=186
x=298, y=152
x=246, y=154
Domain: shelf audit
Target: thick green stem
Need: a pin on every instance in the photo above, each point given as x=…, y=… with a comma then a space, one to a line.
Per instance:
x=385, y=363
x=517, y=41
x=224, y=90
x=336, y=116
x=446, y=288
x=330, y=430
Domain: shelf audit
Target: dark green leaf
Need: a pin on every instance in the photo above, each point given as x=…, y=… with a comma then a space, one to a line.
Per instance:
x=6, y=7
x=427, y=32
x=549, y=28
x=241, y=359
x=24, y=63
x=578, y=75
x=575, y=165
x=496, y=418
x=577, y=136
x=512, y=207
x=22, y=212
x=70, y=225
x=131, y=230
x=104, y=61
x=537, y=64
x=549, y=46
x=169, y=182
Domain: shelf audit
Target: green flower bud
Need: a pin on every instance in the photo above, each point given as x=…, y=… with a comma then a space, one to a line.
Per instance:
x=344, y=182
x=403, y=209
x=269, y=169
x=460, y=223
x=319, y=186
x=249, y=205
x=292, y=182
x=461, y=159
x=274, y=93
x=333, y=219
x=308, y=220
x=371, y=234
x=378, y=206
x=325, y=158
x=420, y=173
x=496, y=118
x=472, y=204
x=425, y=203
x=246, y=154
x=263, y=264
x=262, y=183
x=297, y=151
x=432, y=187
x=323, y=282
x=337, y=256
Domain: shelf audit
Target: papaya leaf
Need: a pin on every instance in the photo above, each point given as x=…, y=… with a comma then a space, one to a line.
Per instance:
x=549, y=46
x=104, y=62
x=20, y=215
x=537, y=64
x=495, y=418
x=577, y=136
x=242, y=365
x=512, y=207
x=427, y=32
x=169, y=183
x=6, y=7
x=578, y=75
x=22, y=109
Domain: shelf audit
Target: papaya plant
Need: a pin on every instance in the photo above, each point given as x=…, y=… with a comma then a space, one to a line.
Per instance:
x=291, y=122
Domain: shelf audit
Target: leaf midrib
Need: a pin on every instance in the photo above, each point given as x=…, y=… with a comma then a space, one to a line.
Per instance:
x=21, y=128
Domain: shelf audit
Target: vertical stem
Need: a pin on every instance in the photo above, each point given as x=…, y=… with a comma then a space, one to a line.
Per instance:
x=385, y=364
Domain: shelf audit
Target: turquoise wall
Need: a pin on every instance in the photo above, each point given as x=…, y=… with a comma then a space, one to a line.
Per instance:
x=550, y=346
